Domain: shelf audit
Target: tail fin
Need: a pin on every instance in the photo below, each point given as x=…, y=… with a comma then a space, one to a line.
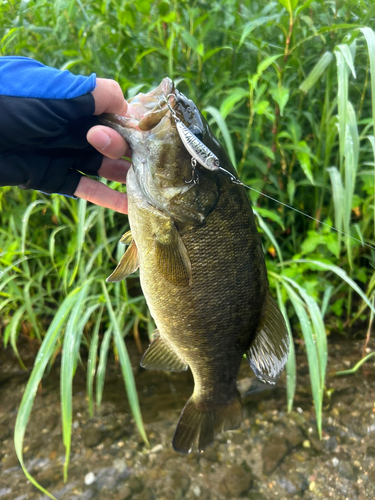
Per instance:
x=204, y=421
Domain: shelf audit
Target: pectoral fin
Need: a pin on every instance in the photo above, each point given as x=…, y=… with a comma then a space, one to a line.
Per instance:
x=126, y=238
x=159, y=356
x=268, y=352
x=172, y=257
x=128, y=264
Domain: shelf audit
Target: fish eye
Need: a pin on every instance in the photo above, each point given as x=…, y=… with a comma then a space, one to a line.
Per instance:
x=216, y=163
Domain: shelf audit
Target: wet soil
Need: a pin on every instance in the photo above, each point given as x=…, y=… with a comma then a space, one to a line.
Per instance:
x=274, y=455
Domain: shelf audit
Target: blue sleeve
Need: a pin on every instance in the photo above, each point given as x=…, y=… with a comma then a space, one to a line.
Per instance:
x=24, y=77
x=45, y=115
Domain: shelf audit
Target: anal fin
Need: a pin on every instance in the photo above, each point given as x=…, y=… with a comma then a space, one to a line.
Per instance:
x=268, y=352
x=159, y=356
x=128, y=264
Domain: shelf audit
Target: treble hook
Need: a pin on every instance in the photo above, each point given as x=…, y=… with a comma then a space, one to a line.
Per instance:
x=194, y=173
x=166, y=100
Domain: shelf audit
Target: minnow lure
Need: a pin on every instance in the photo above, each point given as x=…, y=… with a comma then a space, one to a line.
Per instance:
x=199, y=152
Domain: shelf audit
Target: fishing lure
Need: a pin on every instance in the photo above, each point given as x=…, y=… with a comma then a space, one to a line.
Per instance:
x=199, y=152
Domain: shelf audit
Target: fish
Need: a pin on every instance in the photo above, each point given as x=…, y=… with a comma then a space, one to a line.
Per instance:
x=202, y=270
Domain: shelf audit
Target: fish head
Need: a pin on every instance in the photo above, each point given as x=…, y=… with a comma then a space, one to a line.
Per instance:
x=161, y=163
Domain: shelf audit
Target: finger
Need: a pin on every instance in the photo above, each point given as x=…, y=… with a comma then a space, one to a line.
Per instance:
x=114, y=170
x=109, y=98
x=100, y=194
x=108, y=142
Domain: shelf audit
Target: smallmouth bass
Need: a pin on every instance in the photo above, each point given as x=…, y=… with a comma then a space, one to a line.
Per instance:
x=201, y=263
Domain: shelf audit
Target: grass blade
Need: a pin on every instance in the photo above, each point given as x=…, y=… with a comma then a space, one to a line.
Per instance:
x=100, y=375
x=318, y=326
x=25, y=222
x=342, y=98
x=370, y=39
x=91, y=362
x=269, y=233
x=342, y=274
x=371, y=138
x=312, y=355
x=126, y=368
x=69, y=355
x=45, y=353
x=215, y=113
x=358, y=365
x=316, y=72
x=82, y=204
x=290, y=367
x=338, y=193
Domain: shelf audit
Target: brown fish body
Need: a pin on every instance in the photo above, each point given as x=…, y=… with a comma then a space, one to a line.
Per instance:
x=214, y=317
x=203, y=275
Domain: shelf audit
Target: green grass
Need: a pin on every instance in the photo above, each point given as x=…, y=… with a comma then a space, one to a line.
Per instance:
x=289, y=88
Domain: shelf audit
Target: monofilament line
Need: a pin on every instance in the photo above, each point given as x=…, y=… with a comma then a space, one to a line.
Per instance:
x=309, y=216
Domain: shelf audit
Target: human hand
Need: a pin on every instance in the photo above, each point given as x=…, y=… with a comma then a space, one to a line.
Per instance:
x=108, y=99
x=48, y=130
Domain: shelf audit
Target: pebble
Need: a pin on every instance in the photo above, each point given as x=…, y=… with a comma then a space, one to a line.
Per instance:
x=273, y=453
x=90, y=478
x=295, y=436
x=4, y=431
x=124, y=493
x=371, y=476
x=256, y=495
x=92, y=436
x=236, y=481
x=146, y=494
x=346, y=470
x=180, y=481
x=331, y=443
x=11, y=461
x=135, y=484
x=197, y=491
x=156, y=448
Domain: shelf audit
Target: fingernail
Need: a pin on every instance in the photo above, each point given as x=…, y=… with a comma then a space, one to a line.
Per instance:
x=99, y=139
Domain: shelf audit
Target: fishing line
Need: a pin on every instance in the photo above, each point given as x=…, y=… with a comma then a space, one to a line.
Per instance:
x=309, y=216
x=202, y=154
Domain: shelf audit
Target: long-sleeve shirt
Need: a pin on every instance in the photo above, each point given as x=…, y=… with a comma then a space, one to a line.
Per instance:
x=45, y=114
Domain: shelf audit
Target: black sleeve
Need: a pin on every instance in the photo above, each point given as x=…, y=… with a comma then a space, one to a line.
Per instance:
x=43, y=142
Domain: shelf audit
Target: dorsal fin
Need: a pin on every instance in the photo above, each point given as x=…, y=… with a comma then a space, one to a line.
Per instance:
x=129, y=263
x=159, y=356
x=268, y=352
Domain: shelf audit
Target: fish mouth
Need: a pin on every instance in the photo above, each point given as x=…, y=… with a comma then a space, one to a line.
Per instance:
x=145, y=110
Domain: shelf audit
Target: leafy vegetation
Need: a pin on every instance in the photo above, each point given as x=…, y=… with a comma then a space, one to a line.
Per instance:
x=289, y=87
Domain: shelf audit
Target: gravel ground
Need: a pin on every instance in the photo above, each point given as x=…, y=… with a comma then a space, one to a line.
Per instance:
x=273, y=455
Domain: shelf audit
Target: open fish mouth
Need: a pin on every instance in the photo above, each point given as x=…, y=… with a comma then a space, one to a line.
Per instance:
x=145, y=110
